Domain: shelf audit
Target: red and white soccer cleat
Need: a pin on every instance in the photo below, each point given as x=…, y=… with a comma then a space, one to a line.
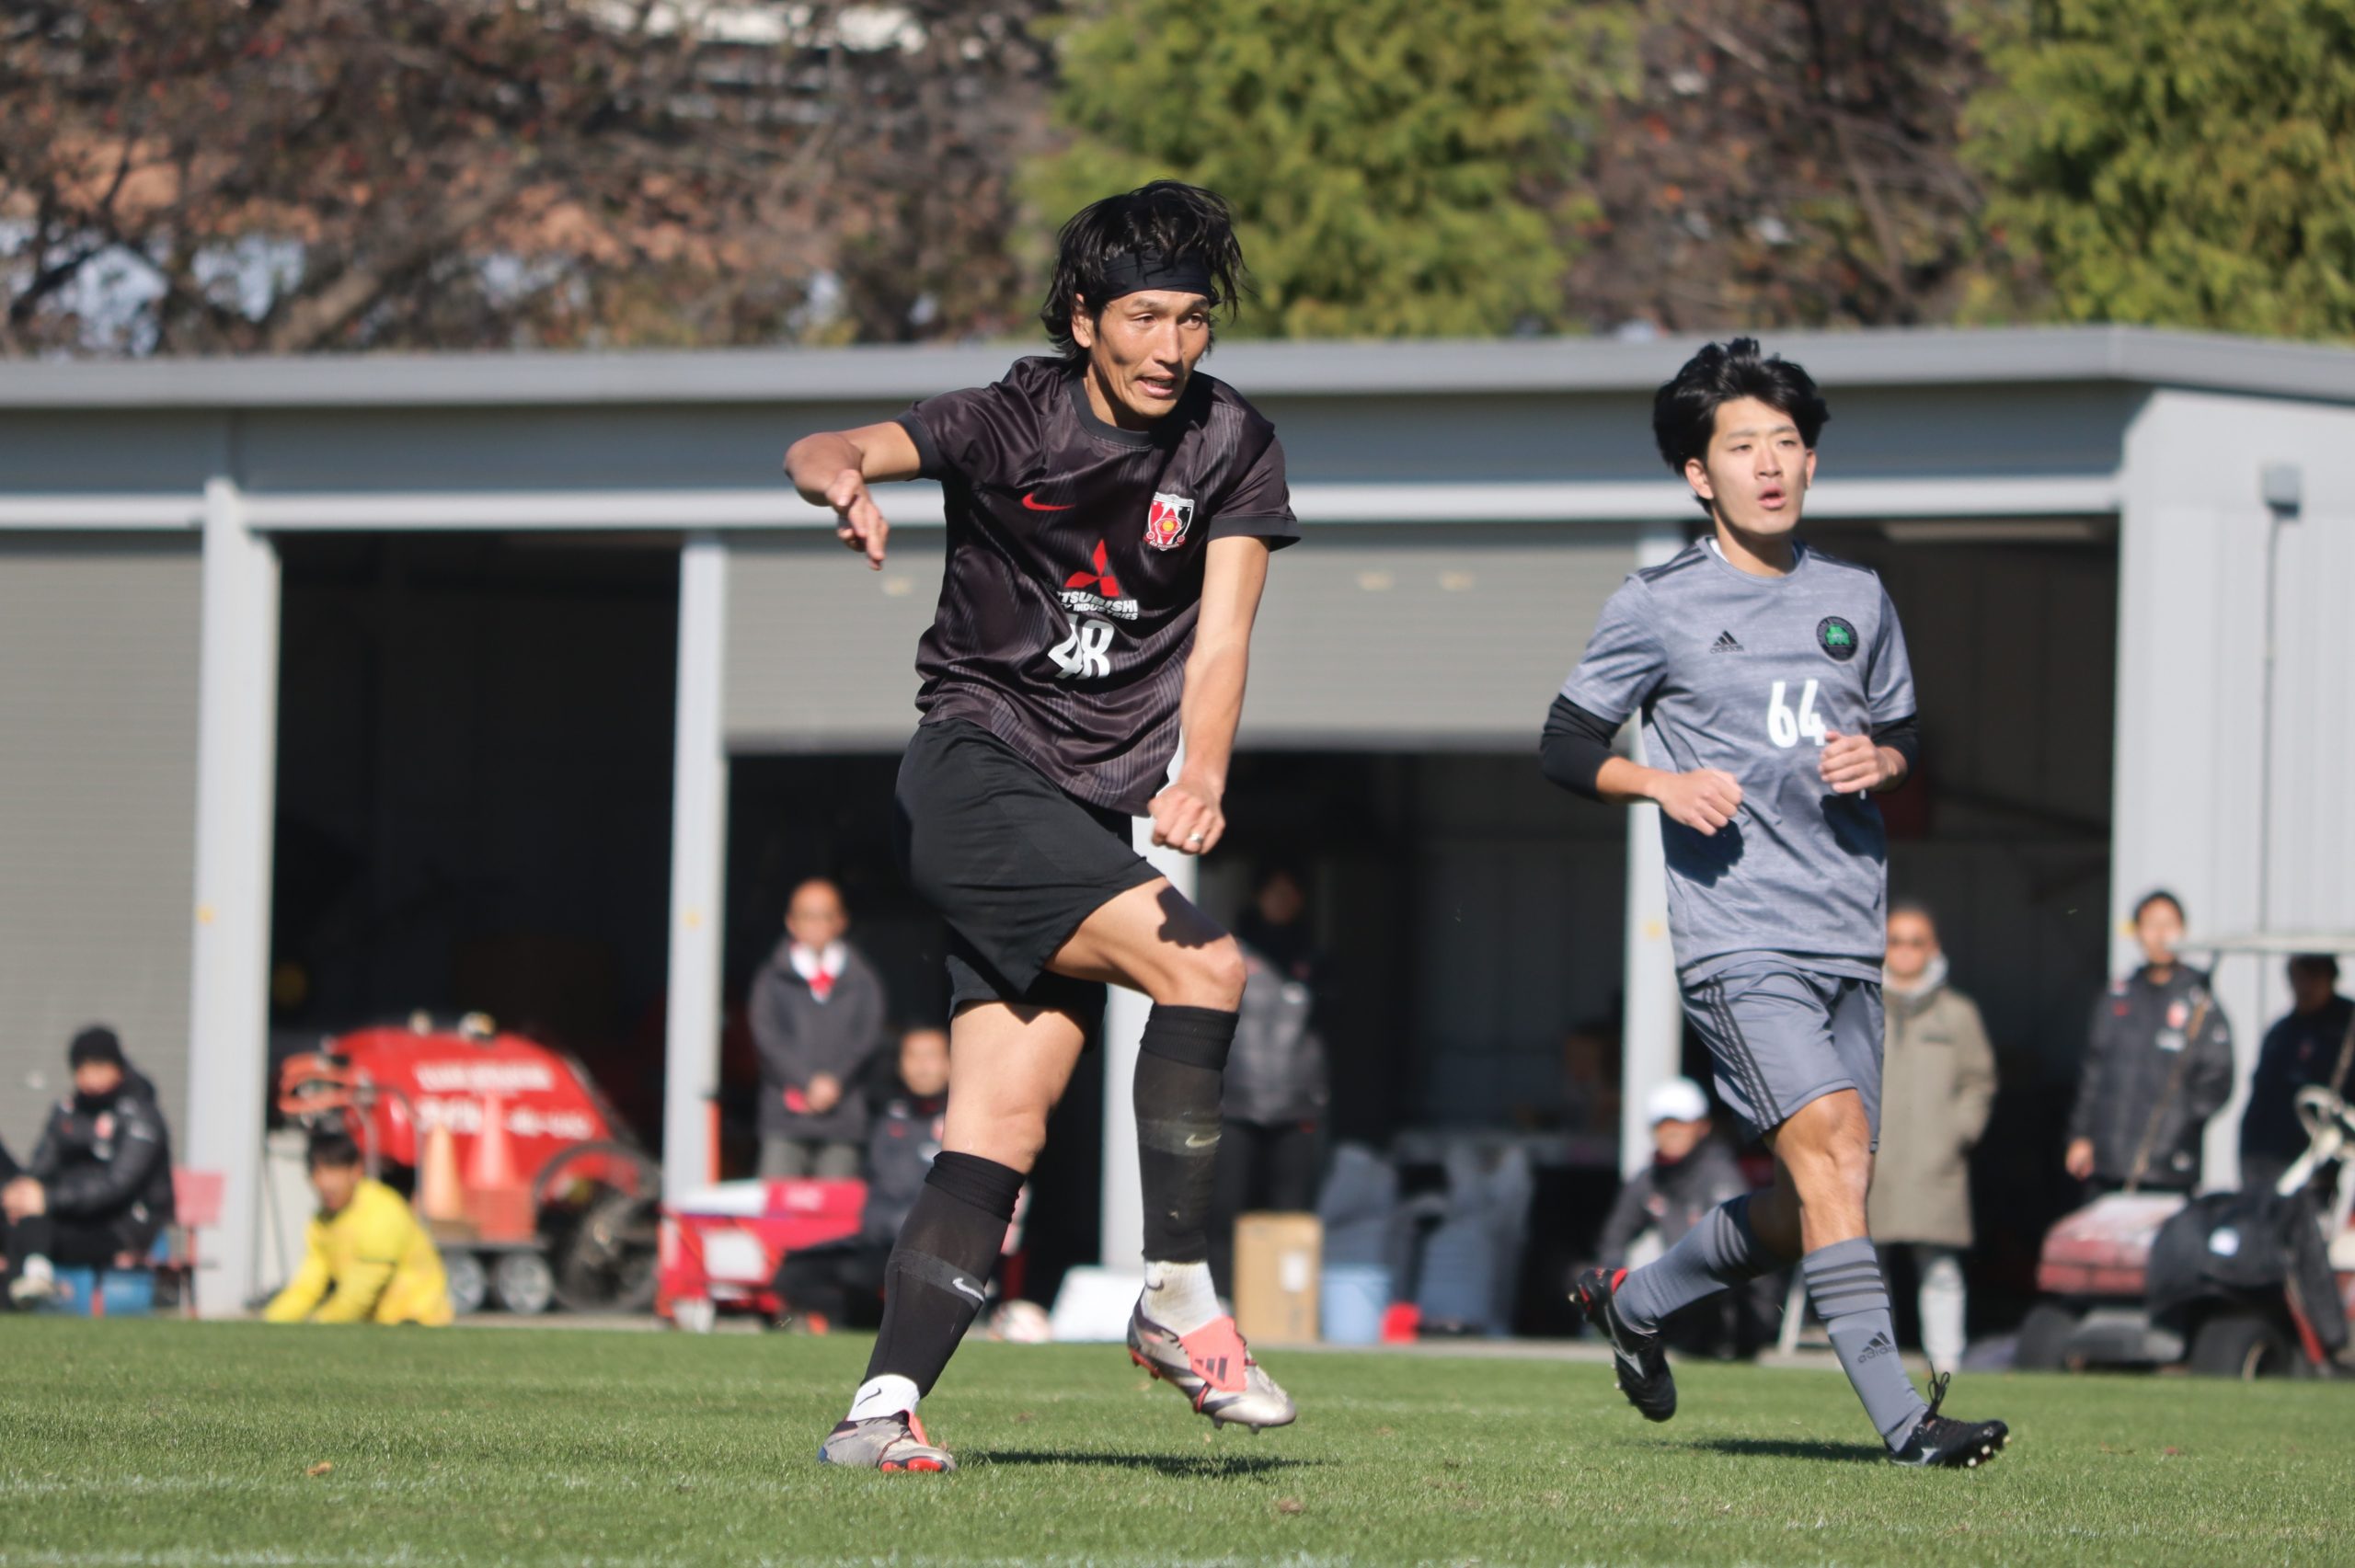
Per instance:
x=1213, y=1368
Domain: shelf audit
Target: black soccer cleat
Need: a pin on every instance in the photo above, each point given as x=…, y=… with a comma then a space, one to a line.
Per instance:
x=1940, y=1441
x=1641, y=1364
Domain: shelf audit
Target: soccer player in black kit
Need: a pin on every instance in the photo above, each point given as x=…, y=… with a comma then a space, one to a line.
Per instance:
x=1110, y=516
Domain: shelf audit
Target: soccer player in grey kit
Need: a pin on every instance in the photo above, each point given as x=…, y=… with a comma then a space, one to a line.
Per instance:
x=1776, y=699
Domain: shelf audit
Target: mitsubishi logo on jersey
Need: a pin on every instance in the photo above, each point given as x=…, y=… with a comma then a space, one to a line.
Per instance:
x=1101, y=577
x=1166, y=520
x=1097, y=592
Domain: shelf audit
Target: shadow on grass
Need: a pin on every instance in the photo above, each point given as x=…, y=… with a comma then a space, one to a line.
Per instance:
x=1179, y=1465
x=1792, y=1448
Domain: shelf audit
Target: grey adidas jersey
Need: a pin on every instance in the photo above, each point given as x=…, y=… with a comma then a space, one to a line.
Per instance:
x=1749, y=675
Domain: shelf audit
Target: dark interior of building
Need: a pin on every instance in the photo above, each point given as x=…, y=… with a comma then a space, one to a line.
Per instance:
x=474, y=791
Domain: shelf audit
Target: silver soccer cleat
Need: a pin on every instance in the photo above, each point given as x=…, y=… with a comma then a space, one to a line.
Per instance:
x=1213, y=1368
x=885, y=1443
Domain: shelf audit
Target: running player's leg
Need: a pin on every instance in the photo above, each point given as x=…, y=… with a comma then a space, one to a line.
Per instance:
x=1788, y=1044
x=1822, y=1166
x=1727, y=1249
x=1151, y=939
x=1008, y=1067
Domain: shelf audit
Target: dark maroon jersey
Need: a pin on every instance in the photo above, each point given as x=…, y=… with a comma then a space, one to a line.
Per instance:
x=1074, y=569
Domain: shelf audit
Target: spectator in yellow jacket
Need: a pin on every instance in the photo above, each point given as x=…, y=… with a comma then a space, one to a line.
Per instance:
x=368, y=1261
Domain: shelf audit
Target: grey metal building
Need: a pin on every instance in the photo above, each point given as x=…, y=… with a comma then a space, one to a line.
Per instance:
x=581, y=579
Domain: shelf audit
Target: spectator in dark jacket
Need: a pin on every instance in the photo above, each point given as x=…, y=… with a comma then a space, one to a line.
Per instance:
x=1692, y=1171
x=98, y=1188
x=2311, y=1045
x=1271, y=1146
x=817, y=1020
x=822, y=1286
x=2158, y=1064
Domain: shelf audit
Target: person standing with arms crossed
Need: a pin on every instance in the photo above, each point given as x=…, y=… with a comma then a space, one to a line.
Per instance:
x=1776, y=698
x=1110, y=517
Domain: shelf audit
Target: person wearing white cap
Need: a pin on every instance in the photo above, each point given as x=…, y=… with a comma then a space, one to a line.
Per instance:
x=1691, y=1173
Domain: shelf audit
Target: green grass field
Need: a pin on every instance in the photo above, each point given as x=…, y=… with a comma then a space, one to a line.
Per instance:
x=132, y=1443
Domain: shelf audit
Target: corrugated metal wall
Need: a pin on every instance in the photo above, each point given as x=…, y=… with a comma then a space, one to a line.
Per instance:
x=97, y=765
x=1383, y=637
x=1393, y=637
x=821, y=652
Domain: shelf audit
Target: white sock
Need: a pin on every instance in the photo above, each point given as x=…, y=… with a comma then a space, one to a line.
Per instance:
x=887, y=1395
x=1178, y=1296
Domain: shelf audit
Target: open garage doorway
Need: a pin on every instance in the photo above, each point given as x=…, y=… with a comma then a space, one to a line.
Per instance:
x=474, y=792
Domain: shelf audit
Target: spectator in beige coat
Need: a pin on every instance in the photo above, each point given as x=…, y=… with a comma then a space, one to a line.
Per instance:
x=1937, y=1085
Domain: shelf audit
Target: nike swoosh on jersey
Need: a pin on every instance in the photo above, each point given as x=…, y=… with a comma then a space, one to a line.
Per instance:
x=1034, y=504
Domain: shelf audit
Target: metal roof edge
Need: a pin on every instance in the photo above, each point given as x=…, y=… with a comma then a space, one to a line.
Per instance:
x=1875, y=356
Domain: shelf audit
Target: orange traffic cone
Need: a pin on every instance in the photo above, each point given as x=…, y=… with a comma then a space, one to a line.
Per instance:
x=439, y=1197
x=493, y=1165
x=502, y=1207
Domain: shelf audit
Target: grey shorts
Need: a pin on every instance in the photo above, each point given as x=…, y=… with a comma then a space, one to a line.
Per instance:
x=1780, y=1035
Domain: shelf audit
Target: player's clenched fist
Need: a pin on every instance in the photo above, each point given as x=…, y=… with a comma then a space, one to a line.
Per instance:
x=1704, y=800
x=1187, y=818
x=1852, y=764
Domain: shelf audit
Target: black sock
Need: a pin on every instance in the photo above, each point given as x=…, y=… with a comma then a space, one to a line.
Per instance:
x=939, y=1271
x=1181, y=1073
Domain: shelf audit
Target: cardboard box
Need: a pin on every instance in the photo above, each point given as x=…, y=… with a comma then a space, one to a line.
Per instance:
x=1277, y=1260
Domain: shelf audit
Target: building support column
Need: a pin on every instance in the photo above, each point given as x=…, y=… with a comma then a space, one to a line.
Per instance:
x=698, y=846
x=237, y=772
x=1652, y=1033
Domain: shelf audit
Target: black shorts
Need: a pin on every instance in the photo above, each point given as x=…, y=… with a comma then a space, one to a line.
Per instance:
x=1010, y=862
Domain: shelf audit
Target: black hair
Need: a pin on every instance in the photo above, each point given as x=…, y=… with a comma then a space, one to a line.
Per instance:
x=1685, y=410
x=1167, y=219
x=2159, y=896
x=1914, y=907
x=2316, y=963
x=331, y=1149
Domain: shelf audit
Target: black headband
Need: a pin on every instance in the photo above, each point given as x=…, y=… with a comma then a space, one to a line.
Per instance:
x=1136, y=272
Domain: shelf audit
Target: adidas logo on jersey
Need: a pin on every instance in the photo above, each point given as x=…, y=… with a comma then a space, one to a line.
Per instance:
x=1725, y=644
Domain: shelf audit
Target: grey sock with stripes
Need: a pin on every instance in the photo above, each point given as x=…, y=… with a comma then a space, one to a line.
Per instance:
x=1722, y=1251
x=1844, y=1281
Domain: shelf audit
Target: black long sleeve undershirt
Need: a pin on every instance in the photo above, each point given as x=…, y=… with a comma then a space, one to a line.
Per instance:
x=1577, y=743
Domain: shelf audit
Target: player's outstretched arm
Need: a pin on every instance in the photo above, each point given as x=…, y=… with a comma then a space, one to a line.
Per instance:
x=833, y=468
x=1188, y=815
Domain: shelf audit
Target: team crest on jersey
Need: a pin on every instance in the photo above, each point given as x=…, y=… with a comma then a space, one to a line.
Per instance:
x=1166, y=523
x=1837, y=637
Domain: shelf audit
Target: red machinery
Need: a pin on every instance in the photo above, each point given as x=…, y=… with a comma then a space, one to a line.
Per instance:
x=528, y=1181
x=722, y=1246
